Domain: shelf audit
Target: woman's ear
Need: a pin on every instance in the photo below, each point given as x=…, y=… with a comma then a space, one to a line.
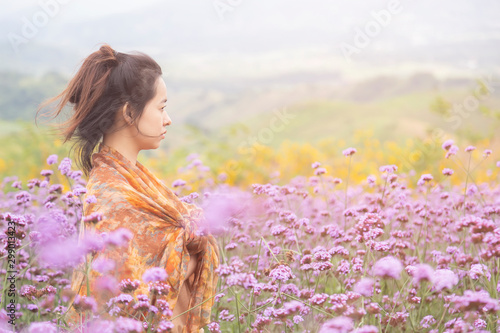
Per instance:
x=127, y=114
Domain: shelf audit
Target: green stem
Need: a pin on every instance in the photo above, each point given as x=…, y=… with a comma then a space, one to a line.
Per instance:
x=197, y=305
x=237, y=309
x=466, y=182
x=324, y=192
x=345, y=194
x=267, y=245
x=383, y=192
x=309, y=305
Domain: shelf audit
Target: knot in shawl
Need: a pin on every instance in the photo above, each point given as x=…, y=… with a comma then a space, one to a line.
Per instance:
x=165, y=233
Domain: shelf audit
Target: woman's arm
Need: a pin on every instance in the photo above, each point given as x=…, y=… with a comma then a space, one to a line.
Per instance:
x=193, y=262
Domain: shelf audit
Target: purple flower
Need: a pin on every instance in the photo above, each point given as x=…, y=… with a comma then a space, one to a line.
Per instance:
x=388, y=168
x=319, y=299
x=90, y=199
x=120, y=299
x=453, y=151
x=427, y=321
x=17, y=184
x=447, y=172
x=444, y=278
x=42, y=327
x=365, y=287
x=165, y=326
x=226, y=316
x=371, y=179
x=128, y=325
x=23, y=197
x=478, y=270
x=106, y=283
x=388, y=267
x=424, y=179
x=119, y=237
x=154, y=274
x=55, y=188
x=315, y=165
x=75, y=175
x=192, y=156
x=101, y=326
x=52, y=159
x=282, y=273
x=65, y=166
x=231, y=246
x=218, y=297
x=103, y=265
x=422, y=272
x=84, y=303
x=278, y=230
x=178, y=182
x=319, y=171
x=94, y=217
x=221, y=207
x=322, y=255
x=487, y=152
x=46, y=173
x=214, y=327
x=62, y=254
x=337, y=325
x=32, y=307
x=128, y=286
x=476, y=301
x=245, y=280
x=470, y=148
x=349, y=152
x=448, y=144
x=93, y=241
x=222, y=177
x=142, y=306
x=159, y=288
x=79, y=190
x=479, y=323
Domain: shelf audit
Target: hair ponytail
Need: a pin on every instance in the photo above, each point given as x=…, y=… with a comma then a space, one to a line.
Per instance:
x=104, y=83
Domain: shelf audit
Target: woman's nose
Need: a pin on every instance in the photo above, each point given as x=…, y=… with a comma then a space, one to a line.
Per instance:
x=167, y=121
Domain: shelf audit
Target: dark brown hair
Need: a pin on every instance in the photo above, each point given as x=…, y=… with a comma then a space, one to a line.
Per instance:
x=104, y=83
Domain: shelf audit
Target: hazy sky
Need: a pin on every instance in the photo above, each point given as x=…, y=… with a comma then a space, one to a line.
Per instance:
x=421, y=31
x=73, y=9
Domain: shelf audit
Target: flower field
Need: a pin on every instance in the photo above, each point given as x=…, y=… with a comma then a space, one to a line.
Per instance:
x=332, y=249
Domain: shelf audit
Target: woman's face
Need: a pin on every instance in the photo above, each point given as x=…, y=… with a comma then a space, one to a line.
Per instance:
x=154, y=119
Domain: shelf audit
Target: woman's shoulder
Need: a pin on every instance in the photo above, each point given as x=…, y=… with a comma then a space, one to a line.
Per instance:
x=108, y=187
x=106, y=177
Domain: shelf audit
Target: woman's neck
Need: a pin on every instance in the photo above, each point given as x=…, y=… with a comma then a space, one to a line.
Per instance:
x=122, y=145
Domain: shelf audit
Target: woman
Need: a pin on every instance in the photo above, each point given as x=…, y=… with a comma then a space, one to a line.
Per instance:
x=118, y=102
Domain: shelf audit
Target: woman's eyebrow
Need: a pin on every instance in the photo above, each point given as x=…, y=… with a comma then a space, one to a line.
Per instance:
x=164, y=101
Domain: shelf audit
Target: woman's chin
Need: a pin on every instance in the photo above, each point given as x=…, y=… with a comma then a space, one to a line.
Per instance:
x=151, y=146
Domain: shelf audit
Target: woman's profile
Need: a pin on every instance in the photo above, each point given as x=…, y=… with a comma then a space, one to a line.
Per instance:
x=118, y=109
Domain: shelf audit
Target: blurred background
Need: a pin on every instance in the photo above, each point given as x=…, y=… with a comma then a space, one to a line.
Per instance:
x=261, y=89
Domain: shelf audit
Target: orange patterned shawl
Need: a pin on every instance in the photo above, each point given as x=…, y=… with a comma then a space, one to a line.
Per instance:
x=164, y=228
